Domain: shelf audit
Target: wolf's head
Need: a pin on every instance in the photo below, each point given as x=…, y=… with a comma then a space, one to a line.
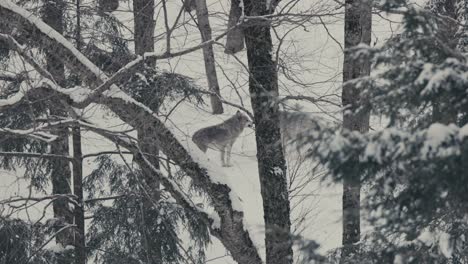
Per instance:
x=243, y=120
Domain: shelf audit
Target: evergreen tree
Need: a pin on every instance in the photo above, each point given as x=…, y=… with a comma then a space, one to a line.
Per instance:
x=136, y=227
x=117, y=232
x=417, y=162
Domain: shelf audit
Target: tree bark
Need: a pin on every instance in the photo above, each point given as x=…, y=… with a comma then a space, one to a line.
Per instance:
x=144, y=34
x=53, y=15
x=358, y=26
x=143, y=13
x=208, y=55
x=80, y=235
x=462, y=18
x=231, y=232
x=80, y=238
x=235, y=37
x=263, y=87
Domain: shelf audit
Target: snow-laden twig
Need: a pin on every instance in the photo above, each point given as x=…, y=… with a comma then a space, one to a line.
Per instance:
x=29, y=133
x=210, y=178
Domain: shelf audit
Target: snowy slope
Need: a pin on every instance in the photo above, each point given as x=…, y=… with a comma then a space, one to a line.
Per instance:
x=315, y=57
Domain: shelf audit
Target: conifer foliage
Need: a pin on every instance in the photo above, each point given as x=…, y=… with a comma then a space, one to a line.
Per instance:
x=416, y=164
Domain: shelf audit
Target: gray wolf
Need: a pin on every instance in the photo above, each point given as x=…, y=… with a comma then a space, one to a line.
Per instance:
x=222, y=136
x=294, y=126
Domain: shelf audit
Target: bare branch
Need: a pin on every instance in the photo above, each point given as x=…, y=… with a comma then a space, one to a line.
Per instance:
x=204, y=174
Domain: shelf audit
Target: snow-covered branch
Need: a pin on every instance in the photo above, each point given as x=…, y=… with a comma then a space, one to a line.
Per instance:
x=29, y=133
x=34, y=155
x=391, y=145
x=38, y=132
x=210, y=178
x=10, y=77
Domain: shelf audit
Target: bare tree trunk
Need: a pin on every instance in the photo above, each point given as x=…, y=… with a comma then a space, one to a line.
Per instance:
x=61, y=173
x=231, y=230
x=151, y=194
x=208, y=55
x=358, y=26
x=263, y=86
x=143, y=11
x=235, y=37
x=80, y=238
x=462, y=18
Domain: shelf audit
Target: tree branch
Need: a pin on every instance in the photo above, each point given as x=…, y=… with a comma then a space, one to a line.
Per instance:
x=204, y=174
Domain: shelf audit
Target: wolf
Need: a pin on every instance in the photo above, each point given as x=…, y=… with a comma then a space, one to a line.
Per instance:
x=294, y=126
x=222, y=136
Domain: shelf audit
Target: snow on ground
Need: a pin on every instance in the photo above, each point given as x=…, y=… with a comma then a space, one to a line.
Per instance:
x=314, y=57
x=323, y=224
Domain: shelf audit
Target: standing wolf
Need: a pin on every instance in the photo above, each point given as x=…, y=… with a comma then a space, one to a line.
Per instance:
x=222, y=136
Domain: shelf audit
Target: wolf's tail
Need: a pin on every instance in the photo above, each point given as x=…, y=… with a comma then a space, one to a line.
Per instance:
x=197, y=139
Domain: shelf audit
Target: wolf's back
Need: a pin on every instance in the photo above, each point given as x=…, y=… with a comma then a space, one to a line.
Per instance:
x=208, y=135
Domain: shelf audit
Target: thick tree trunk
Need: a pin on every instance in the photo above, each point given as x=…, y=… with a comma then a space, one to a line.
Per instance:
x=358, y=26
x=143, y=11
x=263, y=86
x=80, y=238
x=231, y=231
x=151, y=194
x=208, y=55
x=53, y=13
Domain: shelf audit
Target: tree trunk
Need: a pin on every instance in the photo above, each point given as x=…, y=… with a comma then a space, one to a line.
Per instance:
x=144, y=33
x=235, y=37
x=231, y=231
x=143, y=13
x=358, y=25
x=263, y=86
x=80, y=238
x=53, y=14
x=151, y=194
x=462, y=18
x=208, y=55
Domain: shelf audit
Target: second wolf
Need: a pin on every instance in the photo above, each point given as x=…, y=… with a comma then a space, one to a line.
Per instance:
x=222, y=136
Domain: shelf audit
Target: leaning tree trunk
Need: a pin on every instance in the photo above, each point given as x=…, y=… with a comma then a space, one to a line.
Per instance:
x=231, y=230
x=358, y=25
x=143, y=11
x=53, y=14
x=263, y=86
x=208, y=55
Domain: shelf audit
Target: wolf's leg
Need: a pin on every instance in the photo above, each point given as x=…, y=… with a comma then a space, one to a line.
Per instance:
x=228, y=149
